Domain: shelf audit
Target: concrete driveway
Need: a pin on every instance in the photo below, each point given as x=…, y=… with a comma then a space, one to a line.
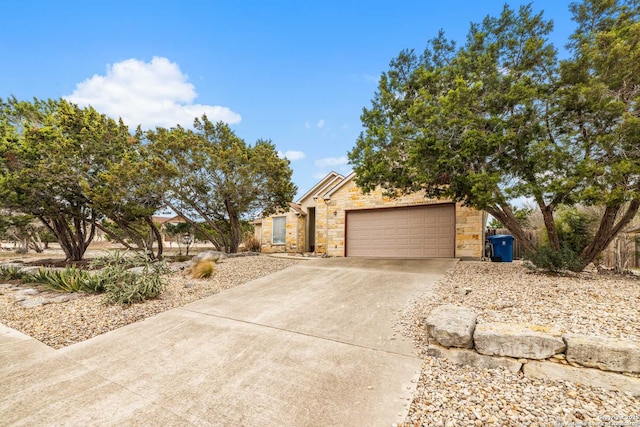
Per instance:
x=312, y=345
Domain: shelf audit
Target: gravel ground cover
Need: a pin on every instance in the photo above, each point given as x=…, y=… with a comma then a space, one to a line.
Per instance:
x=85, y=316
x=586, y=303
x=446, y=394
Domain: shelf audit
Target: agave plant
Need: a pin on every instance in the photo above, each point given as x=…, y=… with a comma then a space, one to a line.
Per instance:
x=70, y=279
x=125, y=286
x=11, y=272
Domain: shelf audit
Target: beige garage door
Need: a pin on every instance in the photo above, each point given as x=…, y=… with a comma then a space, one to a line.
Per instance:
x=413, y=232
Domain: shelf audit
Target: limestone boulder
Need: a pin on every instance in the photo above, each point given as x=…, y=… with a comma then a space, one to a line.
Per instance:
x=452, y=326
x=519, y=341
x=608, y=354
x=463, y=356
x=215, y=256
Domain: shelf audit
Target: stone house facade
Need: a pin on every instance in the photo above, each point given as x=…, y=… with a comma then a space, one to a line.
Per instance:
x=337, y=219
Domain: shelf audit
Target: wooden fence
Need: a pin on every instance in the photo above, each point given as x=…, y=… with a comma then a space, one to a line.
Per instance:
x=622, y=254
x=517, y=244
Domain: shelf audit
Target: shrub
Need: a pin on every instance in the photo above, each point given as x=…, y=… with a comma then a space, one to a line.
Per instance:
x=11, y=273
x=133, y=287
x=551, y=260
x=251, y=242
x=574, y=228
x=123, y=286
x=203, y=270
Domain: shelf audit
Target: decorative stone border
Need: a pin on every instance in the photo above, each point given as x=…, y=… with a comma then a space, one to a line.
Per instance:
x=535, y=351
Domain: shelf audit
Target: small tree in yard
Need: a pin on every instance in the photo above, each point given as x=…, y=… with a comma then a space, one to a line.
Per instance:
x=23, y=229
x=502, y=118
x=182, y=233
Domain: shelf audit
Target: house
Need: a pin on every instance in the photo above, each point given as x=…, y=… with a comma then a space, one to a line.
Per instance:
x=337, y=219
x=162, y=221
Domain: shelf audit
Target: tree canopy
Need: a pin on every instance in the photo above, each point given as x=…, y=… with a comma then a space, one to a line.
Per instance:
x=215, y=179
x=76, y=170
x=71, y=168
x=502, y=118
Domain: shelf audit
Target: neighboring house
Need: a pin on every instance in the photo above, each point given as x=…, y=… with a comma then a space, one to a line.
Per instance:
x=335, y=218
x=162, y=222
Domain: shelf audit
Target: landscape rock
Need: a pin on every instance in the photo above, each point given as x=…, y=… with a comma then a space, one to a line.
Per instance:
x=24, y=292
x=519, y=341
x=11, y=265
x=33, y=302
x=136, y=270
x=467, y=357
x=585, y=376
x=214, y=256
x=452, y=326
x=608, y=354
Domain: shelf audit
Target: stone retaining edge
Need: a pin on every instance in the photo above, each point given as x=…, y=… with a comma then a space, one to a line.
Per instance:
x=598, y=362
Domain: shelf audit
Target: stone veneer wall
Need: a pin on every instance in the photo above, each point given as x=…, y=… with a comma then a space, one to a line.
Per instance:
x=294, y=234
x=330, y=220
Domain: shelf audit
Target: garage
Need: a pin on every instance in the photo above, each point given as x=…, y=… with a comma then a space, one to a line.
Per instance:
x=409, y=232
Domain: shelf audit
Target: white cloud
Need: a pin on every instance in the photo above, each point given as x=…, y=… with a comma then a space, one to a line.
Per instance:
x=332, y=162
x=321, y=123
x=292, y=155
x=307, y=125
x=152, y=94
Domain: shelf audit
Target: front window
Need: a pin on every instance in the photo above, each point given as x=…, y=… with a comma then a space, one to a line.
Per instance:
x=279, y=230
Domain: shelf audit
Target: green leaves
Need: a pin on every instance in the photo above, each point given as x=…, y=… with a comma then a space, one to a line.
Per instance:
x=215, y=178
x=500, y=118
x=71, y=167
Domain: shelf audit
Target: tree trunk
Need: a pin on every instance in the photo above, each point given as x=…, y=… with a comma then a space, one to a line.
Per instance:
x=220, y=246
x=36, y=242
x=550, y=225
x=607, y=231
x=510, y=222
x=74, y=242
x=158, y=237
x=234, y=222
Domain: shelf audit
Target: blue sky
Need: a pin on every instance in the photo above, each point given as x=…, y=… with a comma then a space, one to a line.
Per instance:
x=296, y=72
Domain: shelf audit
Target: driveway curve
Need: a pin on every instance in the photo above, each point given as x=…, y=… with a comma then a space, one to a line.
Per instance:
x=311, y=345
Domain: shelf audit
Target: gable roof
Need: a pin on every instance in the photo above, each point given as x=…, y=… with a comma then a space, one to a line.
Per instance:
x=324, y=182
x=341, y=184
x=166, y=219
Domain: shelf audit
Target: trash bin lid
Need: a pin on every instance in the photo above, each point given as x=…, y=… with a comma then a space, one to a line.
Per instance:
x=500, y=237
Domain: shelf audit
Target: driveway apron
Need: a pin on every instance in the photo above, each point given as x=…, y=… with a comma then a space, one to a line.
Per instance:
x=311, y=345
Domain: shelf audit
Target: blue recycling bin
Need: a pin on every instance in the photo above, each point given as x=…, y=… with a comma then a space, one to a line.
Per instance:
x=502, y=247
